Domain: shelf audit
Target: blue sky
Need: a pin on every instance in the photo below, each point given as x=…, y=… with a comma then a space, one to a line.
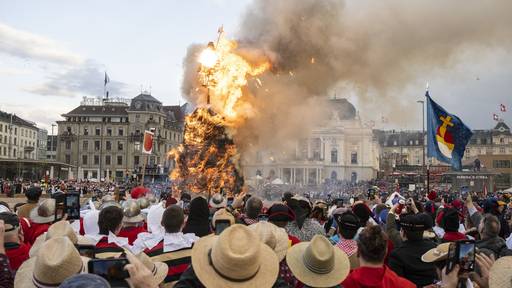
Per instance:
x=54, y=52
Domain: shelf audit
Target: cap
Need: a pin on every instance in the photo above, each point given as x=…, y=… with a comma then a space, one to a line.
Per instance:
x=416, y=222
x=280, y=213
x=11, y=221
x=347, y=220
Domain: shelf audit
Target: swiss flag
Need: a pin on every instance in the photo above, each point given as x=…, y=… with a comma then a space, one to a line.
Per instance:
x=147, y=146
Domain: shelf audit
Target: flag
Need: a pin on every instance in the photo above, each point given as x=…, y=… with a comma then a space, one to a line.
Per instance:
x=503, y=108
x=495, y=117
x=147, y=145
x=485, y=190
x=447, y=135
x=107, y=79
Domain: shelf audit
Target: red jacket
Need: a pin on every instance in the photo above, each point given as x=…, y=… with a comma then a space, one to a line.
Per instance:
x=36, y=230
x=17, y=254
x=108, y=249
x=453, y=236
x=131, y=233
x=369, y=277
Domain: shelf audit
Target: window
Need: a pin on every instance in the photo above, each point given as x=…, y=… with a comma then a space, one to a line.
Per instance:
x=120, y=132
x=108, y=145
x=84, y=159
x=97, y=145
x=96, y=160
x=86, y=131
x=68, y=145
x=16, y=130
x=85, y=145
x=502, y=140
x=353, y=158
x=136, y=146
x=107, y=159
x=501, y=163
x=334, y=156
x=120, y=146
x=68, y=158
x=98, y=131
x=68, y=129
x=109, y=131
x=502, y=150
x=136, y=160
x=119, y=160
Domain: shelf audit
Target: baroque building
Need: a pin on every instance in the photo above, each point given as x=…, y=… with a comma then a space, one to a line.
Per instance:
x=342, y=148
x=102, y=139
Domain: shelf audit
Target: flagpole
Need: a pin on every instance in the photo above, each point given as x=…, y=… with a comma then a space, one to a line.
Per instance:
x=144, y=170
x=425, y=142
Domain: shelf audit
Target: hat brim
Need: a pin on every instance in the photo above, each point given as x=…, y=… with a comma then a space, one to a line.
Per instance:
x=294, y=259
x=499, y=275
x=222, y=204
x=34, y=217
x=265, y=277
x=134, y=219
x=161, y=272
x=282, y=245
x=24, y=275
x=430, y=256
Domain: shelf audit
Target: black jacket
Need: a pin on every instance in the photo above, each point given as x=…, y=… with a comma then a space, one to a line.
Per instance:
x=497, y=245
x=406, y=262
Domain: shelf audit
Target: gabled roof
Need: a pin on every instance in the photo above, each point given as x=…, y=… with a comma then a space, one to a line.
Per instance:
x=89, y=110
x=16, y=120
x=146, y=97
x=502, y=128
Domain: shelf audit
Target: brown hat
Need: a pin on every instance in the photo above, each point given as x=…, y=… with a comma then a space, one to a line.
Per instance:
x=159, y=269
x=275, y=237
x=499, y=275
x=44, y=212
x=318, y=263
x=131, y=212
x=57, y=260
x=235, y=258
x=438, y=253
x=223, y=214
x=59, y=229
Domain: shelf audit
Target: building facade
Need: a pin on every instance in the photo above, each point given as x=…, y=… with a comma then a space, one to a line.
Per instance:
x=103, y=139
x=18, y=137
x=341, y=149
x=51, y=148
x=42, y=139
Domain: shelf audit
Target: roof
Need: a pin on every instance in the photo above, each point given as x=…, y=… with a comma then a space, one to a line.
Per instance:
x=174, y=113
x=146, y=102
x=502, y=128
x=91, y=110
x=344, y=109
x=402, y=138
x=16, y=120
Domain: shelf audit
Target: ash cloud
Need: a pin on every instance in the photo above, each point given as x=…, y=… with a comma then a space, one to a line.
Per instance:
x=373, y=49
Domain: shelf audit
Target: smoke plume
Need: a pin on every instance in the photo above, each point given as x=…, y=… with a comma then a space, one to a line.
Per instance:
x=371, y=49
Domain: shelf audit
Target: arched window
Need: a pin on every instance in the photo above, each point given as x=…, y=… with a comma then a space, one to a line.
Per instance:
x=334, y=155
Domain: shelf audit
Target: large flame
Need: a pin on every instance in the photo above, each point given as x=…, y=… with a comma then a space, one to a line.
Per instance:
x=208, y=162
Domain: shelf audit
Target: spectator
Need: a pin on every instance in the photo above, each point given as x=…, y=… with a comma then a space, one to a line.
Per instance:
x=304, y=228
x=133, y=221
x=16, y=250
x=235, y=258
x=6, y=275
x=110, y=222
x=450, y=222
x=175, y=247
x=488, y=228
x=372, y=249
x=318, y=263
x=280, y=215
x=197, y=221
x=33, y=194
x=85, y=281
x=41, y=218
x=217, y=201
x=405, y=260
x=252, y=211
x=348, y=225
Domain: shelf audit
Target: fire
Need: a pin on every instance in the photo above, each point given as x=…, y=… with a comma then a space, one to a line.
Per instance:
x=208, y=160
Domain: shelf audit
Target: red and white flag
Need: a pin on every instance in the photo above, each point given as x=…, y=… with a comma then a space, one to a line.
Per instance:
x=147, y=146
x=495, y=117
x=485, y=190
x=503, y=108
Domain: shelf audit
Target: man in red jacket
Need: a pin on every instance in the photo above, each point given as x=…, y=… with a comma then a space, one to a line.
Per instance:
x=15, y=249
x=371, y=250
x=41, y=218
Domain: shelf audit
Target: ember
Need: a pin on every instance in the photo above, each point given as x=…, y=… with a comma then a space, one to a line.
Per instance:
x=208, y=161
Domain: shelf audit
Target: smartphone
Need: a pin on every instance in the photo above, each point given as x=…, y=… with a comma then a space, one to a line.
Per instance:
x=230, y=201
x=220, y=225
x=86, y=250
x=110, y=269
x=461, y=252
x=60, y=199
x=72, y=206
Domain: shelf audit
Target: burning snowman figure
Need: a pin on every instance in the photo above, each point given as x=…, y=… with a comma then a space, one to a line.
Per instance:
x=208, y=161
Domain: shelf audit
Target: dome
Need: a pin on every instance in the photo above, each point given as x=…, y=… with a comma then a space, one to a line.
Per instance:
x=344, y=110
x=146, y=102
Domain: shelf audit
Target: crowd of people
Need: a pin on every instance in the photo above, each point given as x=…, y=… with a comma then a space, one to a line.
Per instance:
x=372, y=240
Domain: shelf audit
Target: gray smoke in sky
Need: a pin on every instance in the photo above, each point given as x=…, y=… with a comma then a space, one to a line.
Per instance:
x=371, y=49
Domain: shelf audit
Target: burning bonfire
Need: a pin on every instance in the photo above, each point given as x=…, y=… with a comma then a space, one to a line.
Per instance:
x=208, y=161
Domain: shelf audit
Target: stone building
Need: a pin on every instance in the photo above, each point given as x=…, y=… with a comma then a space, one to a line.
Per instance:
x=18, y=137
x=342, y=148
x=102, y=139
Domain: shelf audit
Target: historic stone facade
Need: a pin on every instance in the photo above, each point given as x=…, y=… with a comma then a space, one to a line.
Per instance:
x=103, y=139
x=18, y=137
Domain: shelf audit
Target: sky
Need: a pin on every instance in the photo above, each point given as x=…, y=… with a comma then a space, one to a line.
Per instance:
x=52, y=53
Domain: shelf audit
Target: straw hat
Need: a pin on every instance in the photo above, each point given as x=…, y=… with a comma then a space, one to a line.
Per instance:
x=438, y=253
x=500, y=276
x=218, y=201
x=59, y=229
x=131, y=212
x=223, y=214
x=159, y=269
x=275, y=237
x=44, y=212
x=56, y=261
x=234, y=259
x=318, y=263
